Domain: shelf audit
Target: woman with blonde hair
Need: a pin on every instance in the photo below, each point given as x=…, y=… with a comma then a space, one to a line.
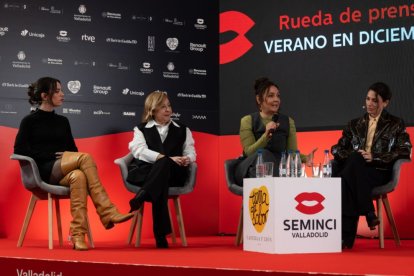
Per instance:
x=162, y=150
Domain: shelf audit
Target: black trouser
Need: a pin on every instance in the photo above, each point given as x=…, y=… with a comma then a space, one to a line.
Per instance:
x=358, y=178
x=164, y=173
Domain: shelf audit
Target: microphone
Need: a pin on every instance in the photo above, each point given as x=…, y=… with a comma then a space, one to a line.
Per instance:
x=275, y=118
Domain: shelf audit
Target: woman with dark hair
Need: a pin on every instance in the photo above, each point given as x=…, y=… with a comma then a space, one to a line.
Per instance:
x=47, y=138
x=365, y=155
x=162, y=149
x=261, y=130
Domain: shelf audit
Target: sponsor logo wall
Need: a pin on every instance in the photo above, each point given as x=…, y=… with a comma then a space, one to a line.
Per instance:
x=109, y=57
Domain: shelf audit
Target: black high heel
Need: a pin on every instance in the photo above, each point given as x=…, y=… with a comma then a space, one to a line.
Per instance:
x=372, y=220
x=161, y=242
x=137, y=201
x=347, y=243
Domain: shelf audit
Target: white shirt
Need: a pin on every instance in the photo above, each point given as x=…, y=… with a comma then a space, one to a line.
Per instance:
x=139, y=148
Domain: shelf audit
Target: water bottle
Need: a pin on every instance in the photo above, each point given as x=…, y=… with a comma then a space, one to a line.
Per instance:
x=282, y=165
x=290, y=167
x=298, y=164
x=260, y=168
x=326, y=167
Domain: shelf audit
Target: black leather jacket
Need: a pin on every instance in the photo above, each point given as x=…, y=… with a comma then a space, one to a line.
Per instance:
x=390, y=142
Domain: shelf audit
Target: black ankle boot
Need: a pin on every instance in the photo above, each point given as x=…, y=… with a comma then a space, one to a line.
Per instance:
x=137, y=201
x=348, y=242
x=372, y=220
x=161, y=242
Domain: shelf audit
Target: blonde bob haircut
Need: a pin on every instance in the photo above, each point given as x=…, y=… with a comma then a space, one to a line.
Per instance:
x=153, y=101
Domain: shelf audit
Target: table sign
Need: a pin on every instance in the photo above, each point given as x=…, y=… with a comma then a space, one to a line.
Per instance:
x=292, y=215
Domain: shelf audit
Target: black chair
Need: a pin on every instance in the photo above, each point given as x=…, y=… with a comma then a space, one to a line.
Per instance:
x=174, y=193
x=230, y=168
x=380, y=194
x=42, y=191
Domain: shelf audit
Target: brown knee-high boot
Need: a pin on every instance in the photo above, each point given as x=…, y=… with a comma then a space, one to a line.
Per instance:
x=107, y=211
x=76, y=181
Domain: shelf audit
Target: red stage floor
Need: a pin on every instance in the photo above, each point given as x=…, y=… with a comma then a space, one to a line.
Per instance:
x=204, y=255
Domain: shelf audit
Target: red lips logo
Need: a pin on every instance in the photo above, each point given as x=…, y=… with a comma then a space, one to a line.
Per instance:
x=241, y=24
x=309, y=210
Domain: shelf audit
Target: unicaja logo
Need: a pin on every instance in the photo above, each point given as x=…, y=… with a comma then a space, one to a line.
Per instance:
x=74, y=86
x=172, y=43
x=24, y=32
x=21, y=55
x=125, y=91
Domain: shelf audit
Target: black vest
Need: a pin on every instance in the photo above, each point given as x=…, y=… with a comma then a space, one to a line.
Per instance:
x=173, y=144
x=278, y=143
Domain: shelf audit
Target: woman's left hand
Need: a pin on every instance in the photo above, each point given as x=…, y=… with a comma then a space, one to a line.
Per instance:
x=366, y=155
x=186, y=161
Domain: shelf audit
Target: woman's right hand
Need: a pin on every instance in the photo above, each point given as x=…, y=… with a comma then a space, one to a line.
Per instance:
x=180, y=160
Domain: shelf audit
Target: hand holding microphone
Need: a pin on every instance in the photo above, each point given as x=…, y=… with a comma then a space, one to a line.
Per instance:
x=270, y=125
x=275, y=118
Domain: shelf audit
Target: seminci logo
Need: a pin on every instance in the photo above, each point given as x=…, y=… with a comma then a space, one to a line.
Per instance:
x=239, y=23
x=304, y=198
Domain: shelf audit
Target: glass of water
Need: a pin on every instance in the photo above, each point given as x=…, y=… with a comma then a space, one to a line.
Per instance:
x=316, y=169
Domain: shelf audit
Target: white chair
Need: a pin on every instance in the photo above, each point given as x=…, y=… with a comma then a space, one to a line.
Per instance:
x=42, y=191
x=174, y=193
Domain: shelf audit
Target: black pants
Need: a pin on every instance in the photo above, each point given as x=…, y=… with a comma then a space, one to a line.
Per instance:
x=358, y=178
x=163, y=174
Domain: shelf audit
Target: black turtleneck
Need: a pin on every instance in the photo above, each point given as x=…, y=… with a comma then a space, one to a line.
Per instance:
x=41, y=134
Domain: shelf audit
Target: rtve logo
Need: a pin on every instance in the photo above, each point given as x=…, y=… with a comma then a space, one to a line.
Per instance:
x=304, y=199
x=89, y=38
x=240, y=23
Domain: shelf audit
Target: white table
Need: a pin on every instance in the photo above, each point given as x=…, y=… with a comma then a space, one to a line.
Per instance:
x=292, y=215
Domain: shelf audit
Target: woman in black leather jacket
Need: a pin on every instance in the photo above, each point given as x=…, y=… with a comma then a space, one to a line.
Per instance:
x=364, y=157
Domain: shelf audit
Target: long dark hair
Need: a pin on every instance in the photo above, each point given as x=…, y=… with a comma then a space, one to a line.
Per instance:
x=46, y=85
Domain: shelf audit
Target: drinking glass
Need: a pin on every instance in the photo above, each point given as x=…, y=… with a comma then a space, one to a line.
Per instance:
x=316, y=169
x=268, y=169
